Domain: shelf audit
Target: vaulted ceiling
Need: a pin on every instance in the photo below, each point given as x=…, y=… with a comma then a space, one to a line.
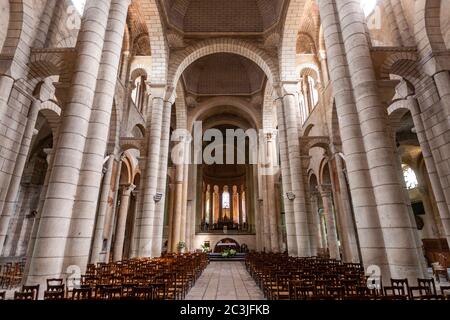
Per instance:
x=223, y=74
x=222, y=16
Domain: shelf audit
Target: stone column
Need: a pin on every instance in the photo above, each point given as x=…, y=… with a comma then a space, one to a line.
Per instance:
x=392, y=22
x=11, y=195
x=328, y=211
x=158, y=223
x=300, y=212
x=179, y=176
x=6, y=87
x=97, y=243
x=400, y=246
x=402, y=24
x=368, y=224
x=111, y=212
x=186, y=220
x=50, y=156
x=324, y=67
x=125, y=65
x=170, y=229
x=316, y=219
x=122, y=221
x=146, y=220
x=55, y=222
x=430, y=166
x=286, y=181
x=348, y=232
x=86, y=201
x=270, y=187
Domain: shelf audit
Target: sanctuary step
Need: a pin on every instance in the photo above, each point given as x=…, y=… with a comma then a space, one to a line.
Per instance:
x=219, y=257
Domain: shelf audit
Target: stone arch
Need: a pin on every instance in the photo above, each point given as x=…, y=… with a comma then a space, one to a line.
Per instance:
x=309, y=69
x=269, y=117
x=20, y=30
x=158, y=44
x=403, y=64
x=236, y=105
x=308, y=129
x=51, y=111
x=181, y=61
x=324, y=164
x=4, y=21
x=180, y=108
x=45, y=63
x=288, y=48
x=428, y=26
x=138, y=131
x=114, y=129
x=445, y=22
x=139, y=70
x=397, y=110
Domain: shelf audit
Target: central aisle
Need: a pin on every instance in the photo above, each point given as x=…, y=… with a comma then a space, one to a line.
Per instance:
x=228, y=280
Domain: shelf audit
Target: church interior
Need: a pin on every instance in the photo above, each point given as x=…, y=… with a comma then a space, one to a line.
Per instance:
x=225, y=149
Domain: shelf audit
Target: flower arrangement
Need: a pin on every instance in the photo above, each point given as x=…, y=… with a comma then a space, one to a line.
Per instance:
x=227, y=253
x=181, y=246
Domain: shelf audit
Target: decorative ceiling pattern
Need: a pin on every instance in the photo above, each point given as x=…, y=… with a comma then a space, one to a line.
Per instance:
x=223, y=16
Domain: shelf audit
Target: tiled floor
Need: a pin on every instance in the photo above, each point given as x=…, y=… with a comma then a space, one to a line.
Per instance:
x=228, y=280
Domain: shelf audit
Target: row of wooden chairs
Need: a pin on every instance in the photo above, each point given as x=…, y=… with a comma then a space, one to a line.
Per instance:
x=11, y=274
x=281, y=277
x=168, y=277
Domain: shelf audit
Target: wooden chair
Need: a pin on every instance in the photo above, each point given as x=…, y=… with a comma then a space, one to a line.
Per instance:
x=304, y=293
x=426, y=289
x=33, y=290
x=335, y=292
x=18, y=295
x=445, y=290
x=81, y=294
x=149, y=292
x=282, y=287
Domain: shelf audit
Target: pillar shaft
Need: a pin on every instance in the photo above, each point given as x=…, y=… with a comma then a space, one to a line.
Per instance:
x=328, y=211
x=55, y=221
x=300, y=212
x=368, y=224
x=122, y=222
x=345, y=215
x=97, y=243
x=146, y=220
x=13, y=190
x=158, y=223
x=400, y=245
x=82, y=223
x=286, y=180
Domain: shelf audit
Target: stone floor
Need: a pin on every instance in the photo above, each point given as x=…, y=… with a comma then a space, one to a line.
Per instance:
x=225, y=281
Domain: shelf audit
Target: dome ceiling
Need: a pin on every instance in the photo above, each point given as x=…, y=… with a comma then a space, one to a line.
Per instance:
x=223, y=16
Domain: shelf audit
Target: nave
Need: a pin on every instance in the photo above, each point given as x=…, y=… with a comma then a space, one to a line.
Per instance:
x=225, y=280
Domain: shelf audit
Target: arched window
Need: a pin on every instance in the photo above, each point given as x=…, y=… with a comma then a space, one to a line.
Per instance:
x=410, y=177
x=138, y=93
x=225, y=200
x=313, y=91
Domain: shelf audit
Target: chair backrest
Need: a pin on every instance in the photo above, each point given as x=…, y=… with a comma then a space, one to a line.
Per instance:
x=54, y=295
x=428, y=284
x=81, y=294
x=31, y=289
x=55, y=284
x=24, y=295
x=145, y=292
